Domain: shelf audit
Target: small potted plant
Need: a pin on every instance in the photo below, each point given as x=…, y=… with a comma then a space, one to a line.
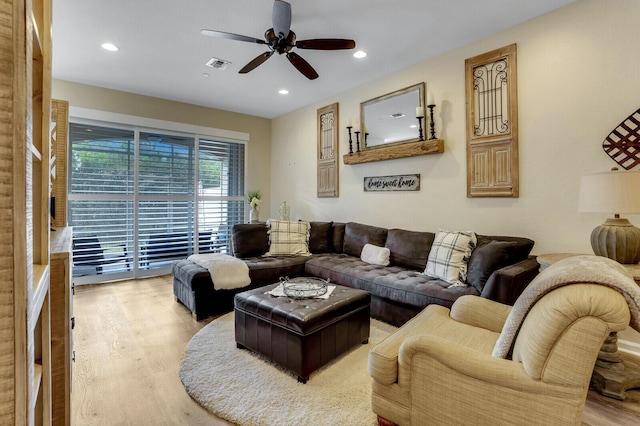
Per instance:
x=254, y=201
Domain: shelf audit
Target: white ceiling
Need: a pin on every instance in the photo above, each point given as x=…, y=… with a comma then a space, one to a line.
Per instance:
x=163, y=54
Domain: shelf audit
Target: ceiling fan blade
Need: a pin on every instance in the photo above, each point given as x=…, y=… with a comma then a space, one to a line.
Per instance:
x=281, y=18
x=257, y=61
x=302, y=65
x=326, y=44
x=231, y=36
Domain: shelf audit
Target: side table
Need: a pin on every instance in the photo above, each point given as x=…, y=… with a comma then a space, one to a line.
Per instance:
x=612, y=375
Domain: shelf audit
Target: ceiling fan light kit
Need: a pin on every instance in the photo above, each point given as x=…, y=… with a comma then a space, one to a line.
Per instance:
x=281, y=39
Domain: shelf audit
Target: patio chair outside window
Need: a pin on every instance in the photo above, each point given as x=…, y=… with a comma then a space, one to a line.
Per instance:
x=87, y=251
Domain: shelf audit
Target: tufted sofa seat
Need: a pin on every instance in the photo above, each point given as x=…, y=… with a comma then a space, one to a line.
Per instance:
x=398, y=291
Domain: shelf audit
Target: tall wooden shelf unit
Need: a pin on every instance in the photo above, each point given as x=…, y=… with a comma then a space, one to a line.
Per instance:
x=25, y=113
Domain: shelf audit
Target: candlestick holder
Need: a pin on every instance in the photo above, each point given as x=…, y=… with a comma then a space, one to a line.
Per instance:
x=350, y=142
x=420, y=127
x=431, y=123
x=366, y=135
x=357, y=141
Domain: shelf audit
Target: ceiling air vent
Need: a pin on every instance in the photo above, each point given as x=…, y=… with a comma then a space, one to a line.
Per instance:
x=219, y=64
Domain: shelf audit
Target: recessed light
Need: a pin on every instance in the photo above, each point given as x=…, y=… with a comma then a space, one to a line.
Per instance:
x=413, y=126
x=205, y=75
x=360, y=54
x=283, y=91
x=110, y=47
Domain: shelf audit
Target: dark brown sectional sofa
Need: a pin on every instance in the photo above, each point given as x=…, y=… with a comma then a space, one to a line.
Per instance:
x=499, y=269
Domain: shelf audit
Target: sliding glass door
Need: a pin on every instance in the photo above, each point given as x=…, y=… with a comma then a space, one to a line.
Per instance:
x=140, y=199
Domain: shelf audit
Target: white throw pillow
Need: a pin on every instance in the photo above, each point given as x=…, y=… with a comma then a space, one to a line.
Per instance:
x=375, y=255
x=288, y=238
x=449, y=256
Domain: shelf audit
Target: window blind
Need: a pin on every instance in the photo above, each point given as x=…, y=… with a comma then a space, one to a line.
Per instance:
x=139, y=200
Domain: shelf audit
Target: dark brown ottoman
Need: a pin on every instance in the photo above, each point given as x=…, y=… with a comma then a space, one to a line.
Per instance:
x=301, y=335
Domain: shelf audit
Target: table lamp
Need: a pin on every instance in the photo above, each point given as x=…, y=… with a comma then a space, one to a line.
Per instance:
x=616, y=192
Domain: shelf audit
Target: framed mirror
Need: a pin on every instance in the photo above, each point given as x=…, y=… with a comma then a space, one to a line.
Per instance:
x=391, y=118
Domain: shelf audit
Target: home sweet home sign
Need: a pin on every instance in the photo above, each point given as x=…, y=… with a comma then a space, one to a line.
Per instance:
x=392, y=183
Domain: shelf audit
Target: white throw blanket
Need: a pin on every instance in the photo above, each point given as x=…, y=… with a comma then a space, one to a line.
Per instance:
x=576, y=269
x=227, y=272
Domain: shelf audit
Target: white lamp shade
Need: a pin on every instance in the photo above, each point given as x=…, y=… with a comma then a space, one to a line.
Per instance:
x=610, y=192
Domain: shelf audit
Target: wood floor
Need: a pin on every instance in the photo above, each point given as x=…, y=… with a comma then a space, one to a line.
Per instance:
x=129, y=340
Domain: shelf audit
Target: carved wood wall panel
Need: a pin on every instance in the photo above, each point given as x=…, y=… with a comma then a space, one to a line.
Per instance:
x=492, y=124
x=328, y=130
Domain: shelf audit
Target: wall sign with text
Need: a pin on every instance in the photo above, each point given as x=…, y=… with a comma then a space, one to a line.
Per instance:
x=392, y=183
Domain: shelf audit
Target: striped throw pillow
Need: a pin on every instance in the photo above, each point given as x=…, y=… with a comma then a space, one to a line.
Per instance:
x=449, y=256
x=288, y=238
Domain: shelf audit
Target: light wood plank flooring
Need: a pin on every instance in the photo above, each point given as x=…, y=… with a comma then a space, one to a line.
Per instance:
x=129, y=340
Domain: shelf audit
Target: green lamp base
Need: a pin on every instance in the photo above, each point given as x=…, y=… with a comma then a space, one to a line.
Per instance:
x=617, y=239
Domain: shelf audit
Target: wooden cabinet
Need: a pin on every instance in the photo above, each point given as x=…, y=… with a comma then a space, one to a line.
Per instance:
x=25, y=113
x=61, y=326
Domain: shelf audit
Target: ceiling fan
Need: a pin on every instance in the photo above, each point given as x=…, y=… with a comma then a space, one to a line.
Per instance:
x=281, y=39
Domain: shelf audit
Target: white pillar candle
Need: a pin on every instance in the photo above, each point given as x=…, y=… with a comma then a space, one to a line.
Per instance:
x=430, y=99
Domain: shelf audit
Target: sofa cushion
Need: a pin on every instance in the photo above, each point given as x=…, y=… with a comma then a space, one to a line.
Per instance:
x=338, y=237
x=409, y=249
x=521, y=251
x=250, y=239
x=268, y=270
x=375, y=255
x=392, y=283
x=356, y=235
x=288, y=238
x=449, y=256
x=486, y=258
x=187, y=272
x=320, y=237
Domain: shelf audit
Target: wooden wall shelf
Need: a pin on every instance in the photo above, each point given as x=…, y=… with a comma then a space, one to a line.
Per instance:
x=411, y=149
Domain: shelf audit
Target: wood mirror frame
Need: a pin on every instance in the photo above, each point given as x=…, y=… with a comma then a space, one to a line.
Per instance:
x=386, y=120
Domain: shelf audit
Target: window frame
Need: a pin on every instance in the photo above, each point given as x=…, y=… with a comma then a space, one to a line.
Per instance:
x=139, y=125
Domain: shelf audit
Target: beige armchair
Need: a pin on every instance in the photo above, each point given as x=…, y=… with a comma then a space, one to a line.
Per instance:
x=438, y=368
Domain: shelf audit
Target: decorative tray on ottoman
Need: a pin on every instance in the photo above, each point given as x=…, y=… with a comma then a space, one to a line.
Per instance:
x=303, y=287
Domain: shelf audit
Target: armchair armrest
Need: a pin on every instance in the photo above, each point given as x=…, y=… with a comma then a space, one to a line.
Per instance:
x=506, y=284
x=479, y=312
x=434, y=357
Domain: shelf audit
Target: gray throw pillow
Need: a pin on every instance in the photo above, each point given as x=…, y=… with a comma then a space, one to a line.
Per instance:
x=320, y=240
x=485, y=259
x=250, y=239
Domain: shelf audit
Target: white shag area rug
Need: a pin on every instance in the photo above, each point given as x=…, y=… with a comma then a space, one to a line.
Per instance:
x=247, y=389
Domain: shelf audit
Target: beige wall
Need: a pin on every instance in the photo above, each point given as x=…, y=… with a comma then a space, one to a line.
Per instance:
x=112, y=101
x=577, y=80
